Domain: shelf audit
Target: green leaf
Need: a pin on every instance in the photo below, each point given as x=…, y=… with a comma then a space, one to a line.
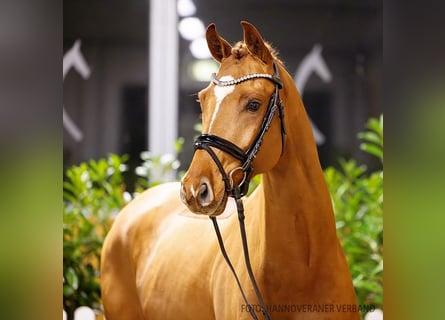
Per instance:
x=370, y=137
x=72, y=279
x=178, y=145
x=198, y=127
x=67, y=291
x=372, y=149
x=376, y=125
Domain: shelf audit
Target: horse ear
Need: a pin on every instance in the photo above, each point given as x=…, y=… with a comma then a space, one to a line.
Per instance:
x=219, y=48
x=255, y=42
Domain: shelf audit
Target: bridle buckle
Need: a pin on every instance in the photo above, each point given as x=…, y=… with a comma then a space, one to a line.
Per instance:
x=231, y=177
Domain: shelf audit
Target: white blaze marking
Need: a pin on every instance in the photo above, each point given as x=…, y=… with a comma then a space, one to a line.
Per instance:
x=220, y=93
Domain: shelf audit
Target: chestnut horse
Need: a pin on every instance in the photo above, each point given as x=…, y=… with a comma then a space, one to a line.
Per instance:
x=161, y=262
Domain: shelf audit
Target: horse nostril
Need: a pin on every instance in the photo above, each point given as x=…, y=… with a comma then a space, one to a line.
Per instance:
x=205, y=195
x=203, y=191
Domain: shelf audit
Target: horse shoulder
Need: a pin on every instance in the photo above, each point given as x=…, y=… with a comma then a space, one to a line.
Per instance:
x=126, y=241
x=135, y=223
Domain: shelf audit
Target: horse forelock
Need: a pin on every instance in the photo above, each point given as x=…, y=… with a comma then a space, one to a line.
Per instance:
x=239, y=50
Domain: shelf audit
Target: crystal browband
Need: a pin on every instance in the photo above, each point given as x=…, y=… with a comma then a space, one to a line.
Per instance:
x=241, y=79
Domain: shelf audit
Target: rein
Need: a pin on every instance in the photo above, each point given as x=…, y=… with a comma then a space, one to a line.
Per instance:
x=207, y=141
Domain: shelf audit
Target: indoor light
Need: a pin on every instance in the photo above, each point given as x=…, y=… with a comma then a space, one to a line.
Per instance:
x=186, y=8
x=199, y=49
x=191, y=28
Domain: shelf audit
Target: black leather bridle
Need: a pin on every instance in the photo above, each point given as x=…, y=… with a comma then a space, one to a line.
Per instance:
x=237, y=191
x=206, y=141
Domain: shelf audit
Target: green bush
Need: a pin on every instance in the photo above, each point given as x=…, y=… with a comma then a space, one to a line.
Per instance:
x=156, y=169
x=93, y=193
x=357, y=197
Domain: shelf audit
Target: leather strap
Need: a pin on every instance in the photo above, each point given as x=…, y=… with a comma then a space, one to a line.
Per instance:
x=240, y=209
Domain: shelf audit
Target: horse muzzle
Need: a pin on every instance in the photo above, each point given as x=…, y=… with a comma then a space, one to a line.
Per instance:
x=201, y=196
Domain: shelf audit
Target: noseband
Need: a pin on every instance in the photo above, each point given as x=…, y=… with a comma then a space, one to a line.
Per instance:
x=207, y=141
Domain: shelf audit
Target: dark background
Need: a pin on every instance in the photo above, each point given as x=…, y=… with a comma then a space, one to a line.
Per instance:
x=115, y=40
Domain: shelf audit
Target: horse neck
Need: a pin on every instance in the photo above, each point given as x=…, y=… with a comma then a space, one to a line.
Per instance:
x=298, y=212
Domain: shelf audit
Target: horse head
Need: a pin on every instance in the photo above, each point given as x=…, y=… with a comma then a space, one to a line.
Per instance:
x=234, y=107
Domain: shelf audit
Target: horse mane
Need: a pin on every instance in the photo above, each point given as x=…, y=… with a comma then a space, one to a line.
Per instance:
x=239, y=50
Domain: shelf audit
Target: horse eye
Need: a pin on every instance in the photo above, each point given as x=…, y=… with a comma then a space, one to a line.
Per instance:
x=253, y=106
